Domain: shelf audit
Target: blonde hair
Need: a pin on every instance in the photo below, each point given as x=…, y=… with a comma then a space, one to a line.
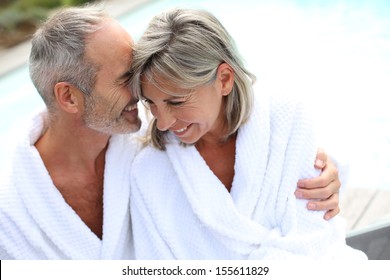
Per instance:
x=185, y=47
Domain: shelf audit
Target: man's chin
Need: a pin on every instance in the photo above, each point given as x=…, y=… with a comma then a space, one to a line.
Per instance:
x=132, y=127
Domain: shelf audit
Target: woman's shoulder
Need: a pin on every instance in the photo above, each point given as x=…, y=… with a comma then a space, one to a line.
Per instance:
x=277, y=100
x=282, y=107
x=284, y=113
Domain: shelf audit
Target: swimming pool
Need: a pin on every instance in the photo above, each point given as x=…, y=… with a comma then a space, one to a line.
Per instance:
x=333, y=54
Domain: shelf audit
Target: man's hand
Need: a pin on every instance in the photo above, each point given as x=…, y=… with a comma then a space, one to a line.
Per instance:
x=322, y=191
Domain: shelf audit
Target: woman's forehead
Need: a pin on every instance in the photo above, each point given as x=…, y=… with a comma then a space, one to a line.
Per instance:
x=165, y=85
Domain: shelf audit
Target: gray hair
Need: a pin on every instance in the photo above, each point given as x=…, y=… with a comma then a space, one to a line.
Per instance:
x=186, y=47
x=58, y=51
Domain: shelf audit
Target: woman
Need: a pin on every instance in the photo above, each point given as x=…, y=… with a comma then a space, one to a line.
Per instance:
x=218, y=180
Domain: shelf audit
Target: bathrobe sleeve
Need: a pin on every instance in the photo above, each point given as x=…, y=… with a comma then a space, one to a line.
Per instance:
x=301, y=233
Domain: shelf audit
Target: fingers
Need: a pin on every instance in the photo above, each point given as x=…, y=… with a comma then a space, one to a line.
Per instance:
x=322, y=191
x=319, y=192
x=329, y=174
x=331, y=204
x=328, y=204
x=331, y=213
x=321, y=159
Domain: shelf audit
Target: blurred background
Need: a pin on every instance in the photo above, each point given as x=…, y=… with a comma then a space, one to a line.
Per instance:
x=333, y=54
x=19, y=18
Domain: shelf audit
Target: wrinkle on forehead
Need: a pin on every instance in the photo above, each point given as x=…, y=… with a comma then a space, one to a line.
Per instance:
x=164, y=85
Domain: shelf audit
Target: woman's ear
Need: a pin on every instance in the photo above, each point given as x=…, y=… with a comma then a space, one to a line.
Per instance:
x=226, y=77
x=67, y=96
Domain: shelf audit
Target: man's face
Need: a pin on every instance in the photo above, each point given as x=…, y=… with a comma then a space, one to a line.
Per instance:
x=111, y=108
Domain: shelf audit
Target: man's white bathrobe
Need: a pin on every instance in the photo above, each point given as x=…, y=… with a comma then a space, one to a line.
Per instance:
x=37, y=223
x=180, y=209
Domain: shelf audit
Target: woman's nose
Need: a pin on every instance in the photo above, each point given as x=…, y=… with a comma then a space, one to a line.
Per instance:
x=165, y=118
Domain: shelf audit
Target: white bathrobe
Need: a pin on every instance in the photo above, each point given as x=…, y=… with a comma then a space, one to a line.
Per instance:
x=37, y=223
x=181, y=210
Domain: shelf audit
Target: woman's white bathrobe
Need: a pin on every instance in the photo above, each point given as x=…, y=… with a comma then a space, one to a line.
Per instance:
x=37, y=223
x=180, y=210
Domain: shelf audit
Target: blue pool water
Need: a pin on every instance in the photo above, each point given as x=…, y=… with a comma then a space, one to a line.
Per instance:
x=333, y=54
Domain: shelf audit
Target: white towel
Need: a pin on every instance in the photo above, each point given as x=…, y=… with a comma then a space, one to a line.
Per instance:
x=37, y=223
x=180, y=210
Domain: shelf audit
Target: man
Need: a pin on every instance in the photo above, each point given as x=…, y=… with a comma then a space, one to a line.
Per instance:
x=72, y=174
x=66, y=195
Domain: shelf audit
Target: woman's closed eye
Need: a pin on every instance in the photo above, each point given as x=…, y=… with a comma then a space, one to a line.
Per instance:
x=170, y=102
x=175, y=103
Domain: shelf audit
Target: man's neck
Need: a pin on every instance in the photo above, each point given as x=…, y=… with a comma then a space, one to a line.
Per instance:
x=79, y=147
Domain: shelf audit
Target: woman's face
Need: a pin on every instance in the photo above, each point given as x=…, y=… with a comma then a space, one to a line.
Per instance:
x=190, y=115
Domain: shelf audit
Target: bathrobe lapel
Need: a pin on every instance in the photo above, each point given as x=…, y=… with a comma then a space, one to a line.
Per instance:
x=230, y=215
x=62, y=226
x=117, y=225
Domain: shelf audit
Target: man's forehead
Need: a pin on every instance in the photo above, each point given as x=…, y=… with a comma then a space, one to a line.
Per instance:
x=111, y=46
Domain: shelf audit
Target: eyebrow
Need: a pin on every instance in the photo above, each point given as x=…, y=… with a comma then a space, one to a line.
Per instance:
x=173, y=98
x=165, y=100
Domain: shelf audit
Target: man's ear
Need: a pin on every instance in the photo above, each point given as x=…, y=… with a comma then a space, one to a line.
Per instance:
x=67, y=96
x=226, y=77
